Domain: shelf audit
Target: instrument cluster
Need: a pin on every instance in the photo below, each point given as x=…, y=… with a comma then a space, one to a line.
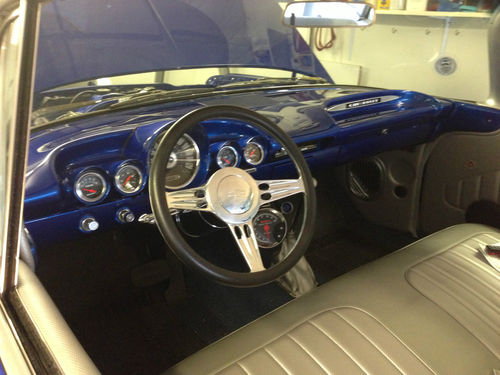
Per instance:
x=231, y=154
x=93, y=186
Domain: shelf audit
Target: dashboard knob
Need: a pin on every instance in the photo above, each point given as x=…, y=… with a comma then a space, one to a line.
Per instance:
x=125, y=216
x=89, y=224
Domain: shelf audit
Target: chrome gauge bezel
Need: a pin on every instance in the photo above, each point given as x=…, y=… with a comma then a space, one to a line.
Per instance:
x=77, y=188
x=153, y=150
x=260, y=147
x=119, y=187
x=196, y=168
x=219, y=157
x=281, y=217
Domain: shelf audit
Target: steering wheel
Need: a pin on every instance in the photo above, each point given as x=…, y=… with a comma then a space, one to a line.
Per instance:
x=235, y=197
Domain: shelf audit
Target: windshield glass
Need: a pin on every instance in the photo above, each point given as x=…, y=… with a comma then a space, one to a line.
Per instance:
x=95, y=51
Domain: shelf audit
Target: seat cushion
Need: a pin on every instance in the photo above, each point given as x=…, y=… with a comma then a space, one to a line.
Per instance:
x=460, y=282
x=345, y=340
x=381, y=318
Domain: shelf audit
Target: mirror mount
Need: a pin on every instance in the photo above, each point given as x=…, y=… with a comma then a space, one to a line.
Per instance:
x=319, y=14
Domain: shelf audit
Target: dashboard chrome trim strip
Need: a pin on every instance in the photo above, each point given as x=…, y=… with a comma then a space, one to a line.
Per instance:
x=361, y=103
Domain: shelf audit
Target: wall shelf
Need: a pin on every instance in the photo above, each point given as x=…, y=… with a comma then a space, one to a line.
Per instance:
x=388, y=12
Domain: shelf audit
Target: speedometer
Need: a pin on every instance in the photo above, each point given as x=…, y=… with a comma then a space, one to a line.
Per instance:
x=183, y=163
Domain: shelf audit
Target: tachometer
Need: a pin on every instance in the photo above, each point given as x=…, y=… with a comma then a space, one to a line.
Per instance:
x=227, y=157
x=128, y=179
x=270, y=227
x=253, y=153
x=90, y=187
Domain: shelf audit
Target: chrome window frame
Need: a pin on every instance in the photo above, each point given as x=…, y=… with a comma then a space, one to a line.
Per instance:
x=24, y=15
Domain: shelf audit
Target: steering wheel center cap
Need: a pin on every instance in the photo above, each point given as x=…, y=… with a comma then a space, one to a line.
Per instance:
x=235, y=194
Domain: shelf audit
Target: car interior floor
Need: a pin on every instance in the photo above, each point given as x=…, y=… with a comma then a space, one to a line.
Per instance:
x=137, y=310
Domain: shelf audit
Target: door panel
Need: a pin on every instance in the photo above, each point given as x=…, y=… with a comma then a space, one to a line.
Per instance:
x=463, y=169
x=59, y=350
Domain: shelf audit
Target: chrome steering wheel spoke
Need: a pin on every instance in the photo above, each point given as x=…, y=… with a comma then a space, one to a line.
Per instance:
x=244, y=236
x=194, y=199
x=234, y=196
x=272, y=190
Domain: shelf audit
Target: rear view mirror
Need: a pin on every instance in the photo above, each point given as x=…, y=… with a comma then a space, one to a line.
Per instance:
x=328, y=14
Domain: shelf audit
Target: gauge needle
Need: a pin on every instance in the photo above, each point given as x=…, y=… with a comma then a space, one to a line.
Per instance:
x=127, y=180
x=225, y=160
x=90, y=190
x=267, y=228
x=253, y=151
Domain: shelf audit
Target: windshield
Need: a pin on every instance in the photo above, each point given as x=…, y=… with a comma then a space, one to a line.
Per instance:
x=90, y=51
x=81, y=40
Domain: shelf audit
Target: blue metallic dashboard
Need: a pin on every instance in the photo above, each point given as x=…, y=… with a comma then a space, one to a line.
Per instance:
x=332, y=125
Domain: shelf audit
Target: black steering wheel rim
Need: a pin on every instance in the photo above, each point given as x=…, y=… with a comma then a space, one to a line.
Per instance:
x=166, y=223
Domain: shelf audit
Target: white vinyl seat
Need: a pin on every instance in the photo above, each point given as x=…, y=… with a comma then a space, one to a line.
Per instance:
x=432, y=307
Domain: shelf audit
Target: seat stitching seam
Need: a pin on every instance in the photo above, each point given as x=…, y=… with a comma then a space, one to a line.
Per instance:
x=336, y=343
x=490, y=236
x=294, y=326
x=238, y=364
x=390, y=332
x=481, y=265
x=465, y=286
x=448, y=248
x=308, y=353
x=243, y=368
x=461, y=268
x=473, y=334
x=464, y=304
x=276, y=360
x=368, y=339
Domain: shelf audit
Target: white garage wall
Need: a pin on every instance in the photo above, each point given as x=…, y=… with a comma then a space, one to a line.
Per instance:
x=399, y=52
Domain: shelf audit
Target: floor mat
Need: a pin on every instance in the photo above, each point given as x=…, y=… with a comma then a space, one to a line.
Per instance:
x=335, y=255
x=131, y=330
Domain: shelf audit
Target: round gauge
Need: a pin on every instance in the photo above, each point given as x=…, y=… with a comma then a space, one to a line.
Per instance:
x=183, y=163
x=253, y=153
x=90, y=187
x=128, y=179
x=270, y=228
x=227, y=157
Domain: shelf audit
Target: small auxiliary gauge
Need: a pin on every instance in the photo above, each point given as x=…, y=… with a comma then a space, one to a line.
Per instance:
x=128, y=179
x=253, y=153
x=90, y=187
x=227, y=157
x=270, y=228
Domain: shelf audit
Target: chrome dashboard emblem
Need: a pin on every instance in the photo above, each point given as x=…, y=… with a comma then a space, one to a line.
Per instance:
x=362, y=103
x=235, y=195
